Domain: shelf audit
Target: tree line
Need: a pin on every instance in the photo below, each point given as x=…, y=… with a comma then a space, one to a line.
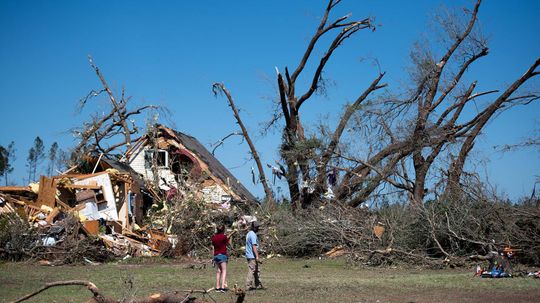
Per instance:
x=55, y=159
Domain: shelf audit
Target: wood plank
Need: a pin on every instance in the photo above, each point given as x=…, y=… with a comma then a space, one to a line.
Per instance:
x=81, y=186
x=84, y=195
x=63, y=204
x=53, y=214
x=47, y=192
x=83, y=176
x=15, y=188
x=92, y=226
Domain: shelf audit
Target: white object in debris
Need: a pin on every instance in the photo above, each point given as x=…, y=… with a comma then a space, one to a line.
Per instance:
x=173, y=239
x=90, y=262
x=90, y=211
x=246, y=220
x=329, y=194
x=48, y=241
x=226, y=205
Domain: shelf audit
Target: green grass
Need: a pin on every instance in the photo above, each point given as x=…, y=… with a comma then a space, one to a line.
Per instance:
x=286, y=280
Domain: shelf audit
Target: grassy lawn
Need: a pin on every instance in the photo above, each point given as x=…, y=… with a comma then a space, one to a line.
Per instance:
x=286, y=280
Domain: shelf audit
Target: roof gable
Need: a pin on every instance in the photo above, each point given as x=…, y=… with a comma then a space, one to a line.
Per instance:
x=214, y=165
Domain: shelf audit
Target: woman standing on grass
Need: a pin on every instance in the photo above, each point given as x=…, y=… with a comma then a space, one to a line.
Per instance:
x=220, y=241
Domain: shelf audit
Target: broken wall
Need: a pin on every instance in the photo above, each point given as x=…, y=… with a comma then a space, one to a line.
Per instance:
x=108, y=211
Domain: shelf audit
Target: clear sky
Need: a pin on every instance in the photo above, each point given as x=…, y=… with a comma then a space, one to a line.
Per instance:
x=170, y=52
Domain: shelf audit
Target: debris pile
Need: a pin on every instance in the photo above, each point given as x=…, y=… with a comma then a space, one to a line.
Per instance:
x=70, y=211
x=78, y=217
x=161, y=198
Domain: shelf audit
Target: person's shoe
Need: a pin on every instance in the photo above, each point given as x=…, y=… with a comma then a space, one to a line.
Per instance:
x=225, y=289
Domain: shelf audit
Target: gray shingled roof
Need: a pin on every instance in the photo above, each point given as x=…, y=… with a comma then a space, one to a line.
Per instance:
x=214, y=165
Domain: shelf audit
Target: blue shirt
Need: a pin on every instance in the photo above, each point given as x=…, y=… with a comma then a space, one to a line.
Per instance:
x=251, y=239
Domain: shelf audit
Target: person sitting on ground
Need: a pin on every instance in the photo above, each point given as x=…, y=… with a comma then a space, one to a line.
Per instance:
x=220, y=241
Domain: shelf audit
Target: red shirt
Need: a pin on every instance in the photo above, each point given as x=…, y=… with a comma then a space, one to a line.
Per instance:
x=219, y=241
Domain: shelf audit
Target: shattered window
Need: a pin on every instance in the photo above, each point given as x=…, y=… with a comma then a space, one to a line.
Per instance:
x=159, y=157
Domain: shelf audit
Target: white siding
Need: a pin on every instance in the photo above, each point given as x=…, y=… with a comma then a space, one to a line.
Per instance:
x=137, y=162
x=104, y=181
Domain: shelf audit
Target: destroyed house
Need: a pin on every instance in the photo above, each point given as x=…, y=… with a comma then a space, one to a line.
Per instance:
x=173, y=158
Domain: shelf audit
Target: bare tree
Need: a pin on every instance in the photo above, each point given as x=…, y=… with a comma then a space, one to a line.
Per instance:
x=108, y=132
x=220, y=88
x=293, y=149
x=53, y=157
x=437, y=122
x=403, y=134
x=35, y=156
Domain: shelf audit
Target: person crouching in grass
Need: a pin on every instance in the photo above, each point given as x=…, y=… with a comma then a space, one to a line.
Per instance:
x=220, y=241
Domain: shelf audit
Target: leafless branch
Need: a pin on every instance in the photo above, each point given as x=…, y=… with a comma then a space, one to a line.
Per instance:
x=222, y=140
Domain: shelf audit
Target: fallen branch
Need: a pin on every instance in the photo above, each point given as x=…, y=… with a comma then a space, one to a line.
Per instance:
x=98, y=297
x=182, y=296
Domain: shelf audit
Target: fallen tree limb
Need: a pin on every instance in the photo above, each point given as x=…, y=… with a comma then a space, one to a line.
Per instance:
x=182, y=296
x=98, y=297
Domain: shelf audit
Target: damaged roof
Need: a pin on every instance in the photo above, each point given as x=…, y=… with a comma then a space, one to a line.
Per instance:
x=214, y=165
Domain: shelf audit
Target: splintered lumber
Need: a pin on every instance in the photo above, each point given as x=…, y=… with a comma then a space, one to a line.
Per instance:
x=62, y=204
x=91, y=226
x=7, y=208
x=336, y=252
x=52, y=215
x=15, y=189
x=158, y=240
x=47, y=192
x=82, y=186
x=31, y=210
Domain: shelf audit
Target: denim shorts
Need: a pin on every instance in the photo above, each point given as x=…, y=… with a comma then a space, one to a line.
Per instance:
x=220, y=258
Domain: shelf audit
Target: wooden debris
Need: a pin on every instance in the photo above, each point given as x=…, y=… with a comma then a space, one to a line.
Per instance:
x=52, y=215
x=8, y=189
x=336, y=252
x=47, y=192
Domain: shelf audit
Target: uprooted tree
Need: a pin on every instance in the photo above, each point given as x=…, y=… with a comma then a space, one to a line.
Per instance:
x=403, y=138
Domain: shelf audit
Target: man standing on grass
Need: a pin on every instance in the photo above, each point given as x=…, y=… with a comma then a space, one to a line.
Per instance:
x=252, y=255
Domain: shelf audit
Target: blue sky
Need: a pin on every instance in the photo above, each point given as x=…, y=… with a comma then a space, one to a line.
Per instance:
x=170, y=52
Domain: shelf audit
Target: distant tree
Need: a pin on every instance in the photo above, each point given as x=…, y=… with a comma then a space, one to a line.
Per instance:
x=30, y=162
x=8, y=157
x=53, y=155
x=62, y=160
x=35, y=156
x=3, y=159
